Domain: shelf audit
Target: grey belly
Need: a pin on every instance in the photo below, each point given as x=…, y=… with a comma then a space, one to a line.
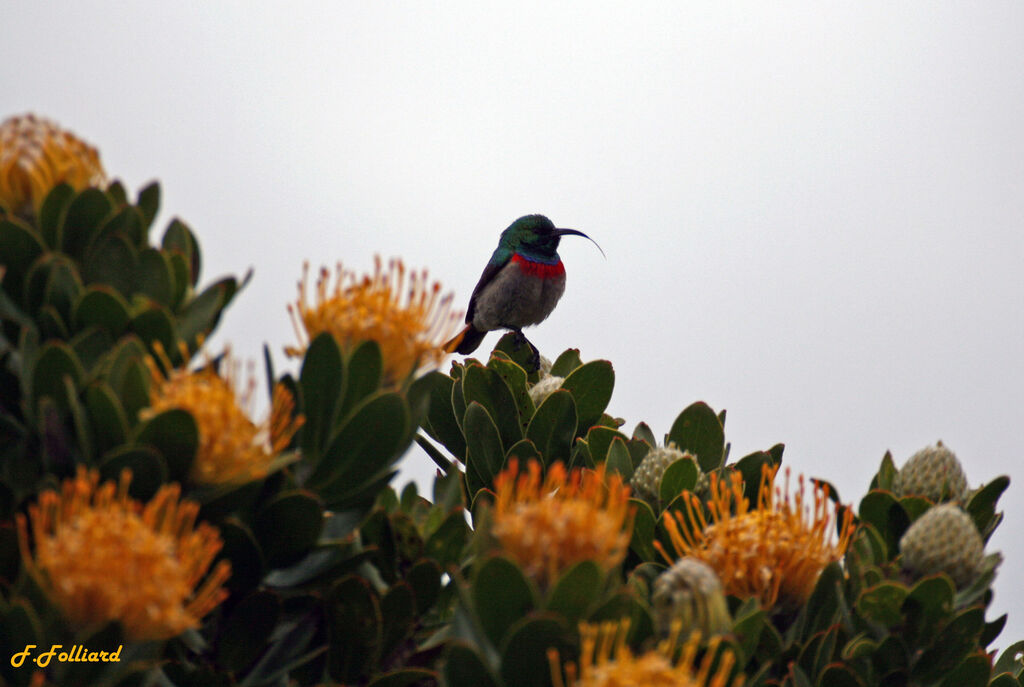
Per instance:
x=512, y=299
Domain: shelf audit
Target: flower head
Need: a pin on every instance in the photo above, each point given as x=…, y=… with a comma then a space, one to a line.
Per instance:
x=549, y=525
x=232, y=449
x=101, y=556
x=775, y=551
x=35, y=156
x=607, y=661
x=410, y=321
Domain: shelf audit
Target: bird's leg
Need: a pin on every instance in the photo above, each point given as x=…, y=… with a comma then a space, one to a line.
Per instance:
x=520, y=339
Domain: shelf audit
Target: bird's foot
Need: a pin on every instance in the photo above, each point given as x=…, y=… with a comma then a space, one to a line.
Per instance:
x=521, y=339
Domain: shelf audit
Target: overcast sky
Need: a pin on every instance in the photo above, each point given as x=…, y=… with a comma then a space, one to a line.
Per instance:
x=812, y=212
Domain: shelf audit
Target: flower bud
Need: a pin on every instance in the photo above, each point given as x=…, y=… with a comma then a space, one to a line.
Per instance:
x=943, y=540
x=690, y=593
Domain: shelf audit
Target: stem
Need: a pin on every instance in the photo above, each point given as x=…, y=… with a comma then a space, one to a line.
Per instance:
x=435, y=455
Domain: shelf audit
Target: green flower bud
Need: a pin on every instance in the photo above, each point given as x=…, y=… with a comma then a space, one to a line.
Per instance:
x=934, y=473
x=691, y=593
x=943, y=540
x=646, y=480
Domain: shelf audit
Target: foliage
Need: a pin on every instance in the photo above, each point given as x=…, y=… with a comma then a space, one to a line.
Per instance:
x=336, y=577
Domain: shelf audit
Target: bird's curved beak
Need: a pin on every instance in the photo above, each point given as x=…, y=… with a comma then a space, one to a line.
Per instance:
x=574, y=232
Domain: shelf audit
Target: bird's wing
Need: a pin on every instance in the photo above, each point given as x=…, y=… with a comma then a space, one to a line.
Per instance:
x=489, y=273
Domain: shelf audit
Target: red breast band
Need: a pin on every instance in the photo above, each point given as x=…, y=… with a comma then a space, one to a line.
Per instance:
x=538, y=269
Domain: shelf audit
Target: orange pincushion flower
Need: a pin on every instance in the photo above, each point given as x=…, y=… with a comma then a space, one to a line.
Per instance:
x=775, y=551
x=607, y=661
x=232, y=449
x=35, y=156
x=102, y=556
x=548, y=526
x=410, y=322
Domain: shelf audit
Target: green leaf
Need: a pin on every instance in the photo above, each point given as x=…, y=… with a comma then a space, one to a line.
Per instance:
x=886, y=473
x=748, y=626
x=982, y=505
x=200, y=316
x=85, y=216
x=886, y=514
x=501, y=595
x=243, y=552
x=51, y=214
x=515, y=378
x=442, y=424
x=134, y=390
x=175, y=435
x=1011, y=660
x=179, y=279
x=117, y=193
x=149, y=202
x=107, y=417
x=320, y=383
x=364, y=369
x=101, y=306
x=698, y=430
x=56, y=360
x=642, y=542
x=485, y=455
x=486, y=387
x=524, y=451
x=111, y=260
x=591, y=387
x=564, y=364
x=355, y=629
x=155, y=277
x=644, y=433
x=53, y=280
x=678, y=477
x=424, y=578
x=928, y=606
x=951, y=646
x=524, y=658
x=91, y=345
x=244, y=632
x=156, y=324
x=973, y=671
x=827, y=601
x=149, y=471
x=179, y=240
x=750, y=466
x=463, y=666
x=363, y=447
x=398, y=610
x=818, y=652
x=618, y=459
x=20, y=247
x=575, y=591
x=599, y=440
x=553, y=426
x=881, y=603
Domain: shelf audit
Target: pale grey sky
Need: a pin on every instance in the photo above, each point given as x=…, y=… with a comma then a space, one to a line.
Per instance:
x=812, y=211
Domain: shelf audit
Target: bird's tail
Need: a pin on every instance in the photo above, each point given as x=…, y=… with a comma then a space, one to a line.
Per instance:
x=466, y=341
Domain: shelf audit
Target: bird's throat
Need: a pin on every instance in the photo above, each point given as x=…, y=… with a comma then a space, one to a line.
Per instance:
x=535, y=268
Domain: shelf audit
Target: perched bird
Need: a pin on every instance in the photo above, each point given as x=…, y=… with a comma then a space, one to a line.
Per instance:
x=520, y=285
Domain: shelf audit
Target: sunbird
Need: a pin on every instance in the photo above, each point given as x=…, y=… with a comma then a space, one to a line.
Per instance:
x=520, y=286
